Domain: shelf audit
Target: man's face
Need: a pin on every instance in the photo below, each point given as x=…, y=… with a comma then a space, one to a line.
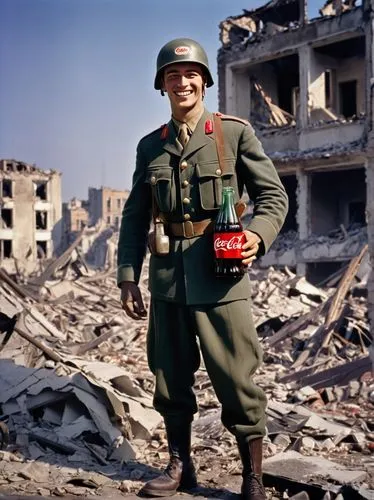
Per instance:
x=183, y=83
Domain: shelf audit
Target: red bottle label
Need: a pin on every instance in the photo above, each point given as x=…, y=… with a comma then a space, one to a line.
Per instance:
x=228, y=245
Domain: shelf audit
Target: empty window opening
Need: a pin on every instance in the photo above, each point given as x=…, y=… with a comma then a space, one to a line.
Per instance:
x=108, y=204
x=348, y=98
x=7, y=217
x=40, y=219
x=328, y=88
x=6, y=249
x=356, y=212
x=41, y=249
x=287, y=72
x=333, y=64
x=331, y=208
x=118, y=203
x=116, y=222
x=290, y=184
x=108, y=219
x=7, y=188
x=40, y=189
x=319, y=273
x=275, y=91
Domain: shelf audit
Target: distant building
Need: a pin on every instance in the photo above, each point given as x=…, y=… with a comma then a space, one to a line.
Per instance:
x=75, y=215
x=106, y=204
x=30, y=211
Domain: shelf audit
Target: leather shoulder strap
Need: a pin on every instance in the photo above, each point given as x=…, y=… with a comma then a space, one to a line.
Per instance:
x=155, y=210
x=234, y=119
x=240, y=206
x=220, y=141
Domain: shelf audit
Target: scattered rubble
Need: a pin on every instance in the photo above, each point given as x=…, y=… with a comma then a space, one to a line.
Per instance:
x=276, y=16
x=76, y=412
x=326, y=151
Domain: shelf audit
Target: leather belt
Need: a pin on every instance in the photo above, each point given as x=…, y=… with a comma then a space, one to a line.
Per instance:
x=189, y=229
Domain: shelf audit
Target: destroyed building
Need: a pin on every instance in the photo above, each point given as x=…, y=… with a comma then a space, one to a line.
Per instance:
x=106, y=204
x=306, y=87
x=94, y=222
x=75, y=215
x=31, y=223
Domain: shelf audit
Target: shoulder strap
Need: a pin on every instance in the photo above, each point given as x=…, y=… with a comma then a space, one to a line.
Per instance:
x=155, y=209
x=220, y=142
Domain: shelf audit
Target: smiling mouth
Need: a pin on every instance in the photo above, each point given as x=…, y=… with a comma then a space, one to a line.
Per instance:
x=185, y=93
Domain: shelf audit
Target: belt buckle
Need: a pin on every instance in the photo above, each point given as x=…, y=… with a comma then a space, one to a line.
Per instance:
x=188, y=229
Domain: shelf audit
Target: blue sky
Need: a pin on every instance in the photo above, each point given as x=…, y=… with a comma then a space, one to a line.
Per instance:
x=76, y=84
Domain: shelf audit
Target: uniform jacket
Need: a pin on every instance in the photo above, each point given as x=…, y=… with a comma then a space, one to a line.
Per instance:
x=188, y=184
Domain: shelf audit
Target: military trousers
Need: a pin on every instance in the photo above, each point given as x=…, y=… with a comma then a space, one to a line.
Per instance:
x=225, y=335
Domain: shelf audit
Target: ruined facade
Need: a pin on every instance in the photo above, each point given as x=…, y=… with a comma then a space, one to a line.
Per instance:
x=306, y=87
x=102, y=210
x=31, y=224
x=75, y=215
x=106, y=204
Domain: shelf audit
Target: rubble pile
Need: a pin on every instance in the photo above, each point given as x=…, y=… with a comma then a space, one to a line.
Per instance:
x=76, y=411
x=352, y=237
x=327, y=151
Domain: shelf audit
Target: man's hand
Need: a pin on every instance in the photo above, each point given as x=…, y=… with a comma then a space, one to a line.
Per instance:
x=131, y=300
x=250, y=247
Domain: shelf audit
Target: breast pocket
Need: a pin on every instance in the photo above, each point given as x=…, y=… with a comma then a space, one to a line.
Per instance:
x=211, y=180
x=161, y=180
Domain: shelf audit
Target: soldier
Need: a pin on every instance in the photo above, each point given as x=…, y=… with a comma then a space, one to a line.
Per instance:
x=178, y=179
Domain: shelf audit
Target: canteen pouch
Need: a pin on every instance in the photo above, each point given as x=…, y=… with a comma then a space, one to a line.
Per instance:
x=158, y=241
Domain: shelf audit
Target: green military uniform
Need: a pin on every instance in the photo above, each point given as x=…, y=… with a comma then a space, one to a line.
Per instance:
x=187, y=299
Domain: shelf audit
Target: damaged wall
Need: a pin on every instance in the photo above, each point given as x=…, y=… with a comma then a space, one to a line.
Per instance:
x=106, y=204
x=312, y=47
x=259, y=48
x=31, y=212
x=324, y=146
x=75, y=215
x=330, y=134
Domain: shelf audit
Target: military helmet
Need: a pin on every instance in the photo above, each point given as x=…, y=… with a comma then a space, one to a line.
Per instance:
x=182, y=50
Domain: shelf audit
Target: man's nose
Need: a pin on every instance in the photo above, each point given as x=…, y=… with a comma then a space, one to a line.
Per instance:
x=183, y=81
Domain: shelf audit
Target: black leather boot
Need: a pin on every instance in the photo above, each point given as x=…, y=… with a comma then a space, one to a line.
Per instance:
x=251, y=455
x=180, y=472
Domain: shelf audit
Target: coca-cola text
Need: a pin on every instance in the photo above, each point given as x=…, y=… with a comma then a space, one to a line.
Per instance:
x=228, y=245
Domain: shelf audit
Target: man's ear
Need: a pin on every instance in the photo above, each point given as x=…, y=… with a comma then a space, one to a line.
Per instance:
x=162, y=87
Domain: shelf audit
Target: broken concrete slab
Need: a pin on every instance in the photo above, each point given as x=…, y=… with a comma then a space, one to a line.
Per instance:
x=296, y=466
x=109, y=373
x=37, y=471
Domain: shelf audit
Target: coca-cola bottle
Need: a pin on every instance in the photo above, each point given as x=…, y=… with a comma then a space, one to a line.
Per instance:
x=228, y=239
